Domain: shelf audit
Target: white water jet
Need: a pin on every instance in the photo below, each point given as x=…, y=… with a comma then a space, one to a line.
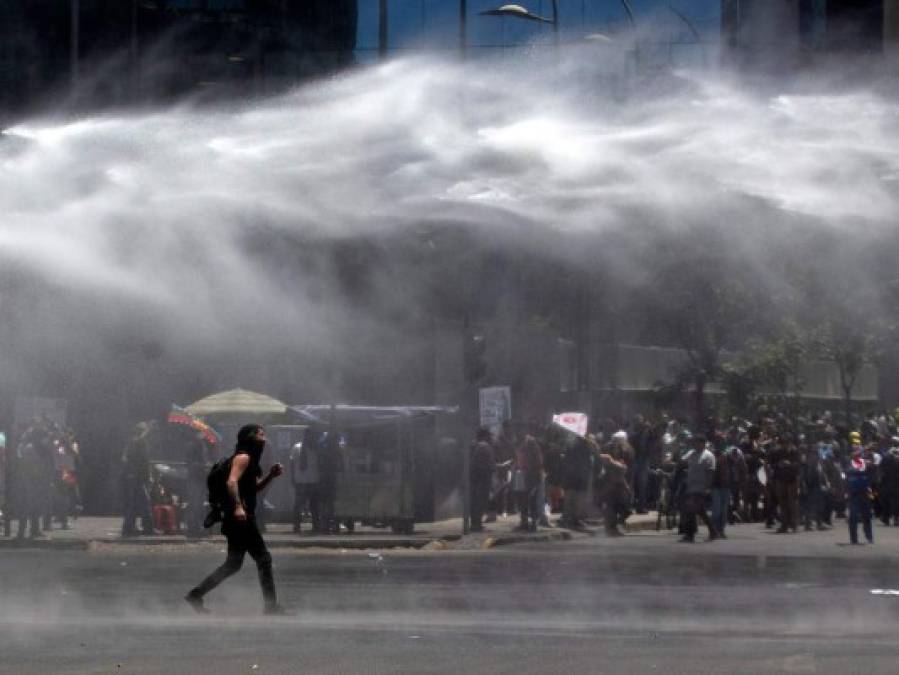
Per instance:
x=160, y=209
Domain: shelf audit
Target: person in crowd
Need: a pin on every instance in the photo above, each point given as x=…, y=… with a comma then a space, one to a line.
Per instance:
x=784, y=460
x=45, y=445
x=328, y=463
x=304, y=476
x=834, y=471
x=4, y=483
x=738, y=473
x=858, y=484
x=721, y=487
x=526, y=476
x=198, y=464
x=889, y=484
x=482, y=468
x=640, y=439
x=29, y=485
x=66, y=481
x=754, y=489
x=245, y=480
x=504, y=455
x=699, y=474
x=577, y=468
x=813, y=487
x=869, y=431
x=615, y=491
x=136, y=483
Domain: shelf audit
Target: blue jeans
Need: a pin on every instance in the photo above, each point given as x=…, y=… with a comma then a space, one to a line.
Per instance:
x=860, y=506
x=720, y=508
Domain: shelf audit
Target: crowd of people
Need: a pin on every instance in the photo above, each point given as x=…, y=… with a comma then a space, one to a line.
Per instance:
x=791, y=472
x=787, y=471
x=41, y=479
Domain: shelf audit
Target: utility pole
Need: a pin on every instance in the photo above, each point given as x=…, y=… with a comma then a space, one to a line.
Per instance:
x=75, y=31
x=135, y=69
x=382, y=29
x=556, y=24
x=463, y=28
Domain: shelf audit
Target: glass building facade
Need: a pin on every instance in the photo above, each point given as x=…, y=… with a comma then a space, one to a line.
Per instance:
x=112, y=52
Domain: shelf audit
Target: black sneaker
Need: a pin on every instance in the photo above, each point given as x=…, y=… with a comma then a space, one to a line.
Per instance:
x=196, y=602
x=276, y=610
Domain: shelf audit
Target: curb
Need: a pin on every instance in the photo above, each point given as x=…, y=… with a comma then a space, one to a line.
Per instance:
x=492, y=542
x=423, y=541
x=46, y=544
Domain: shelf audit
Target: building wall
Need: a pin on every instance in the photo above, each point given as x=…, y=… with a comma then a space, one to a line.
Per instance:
x=761, y=34
x=131, y=51
x=891, y=27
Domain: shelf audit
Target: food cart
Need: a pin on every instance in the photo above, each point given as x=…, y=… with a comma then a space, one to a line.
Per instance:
x=390, y=471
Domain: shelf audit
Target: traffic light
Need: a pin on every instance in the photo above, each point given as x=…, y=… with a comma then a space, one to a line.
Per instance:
x=475, y=358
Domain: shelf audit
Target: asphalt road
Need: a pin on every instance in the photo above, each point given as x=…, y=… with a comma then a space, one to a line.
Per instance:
x=757, y=603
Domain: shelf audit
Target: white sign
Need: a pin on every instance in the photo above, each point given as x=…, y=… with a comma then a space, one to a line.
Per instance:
x=575, y=422
x=495, y=407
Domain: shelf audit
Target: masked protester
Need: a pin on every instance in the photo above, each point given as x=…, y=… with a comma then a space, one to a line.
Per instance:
x=245, y=480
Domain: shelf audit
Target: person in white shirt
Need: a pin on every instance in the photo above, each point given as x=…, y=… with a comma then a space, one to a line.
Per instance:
x=304, y=475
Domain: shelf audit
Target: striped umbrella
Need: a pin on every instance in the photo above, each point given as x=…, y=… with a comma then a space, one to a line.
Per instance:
x=237, y=402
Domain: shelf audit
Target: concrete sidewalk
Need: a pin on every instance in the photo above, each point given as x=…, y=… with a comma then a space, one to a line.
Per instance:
x=88, y=532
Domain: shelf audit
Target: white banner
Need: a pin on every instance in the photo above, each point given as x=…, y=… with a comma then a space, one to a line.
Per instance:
x=495, y=407
x=575, y=422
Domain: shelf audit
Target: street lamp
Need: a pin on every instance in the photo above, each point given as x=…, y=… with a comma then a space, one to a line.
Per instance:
x=74, y=41
x=521, y=12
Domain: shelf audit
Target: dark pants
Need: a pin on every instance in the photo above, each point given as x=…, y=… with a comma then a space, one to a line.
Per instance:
x=860, y=507
x=28, y=506
x=306, y=497
x=787, y=495
x=752, y=493
x=243, y=538
x=327, y=495
x=480, y=496
x=695, y=506
x=615, y=505
x=889, y=495
x=136, y=505
x=527, y=506
x=813, y=507
x=196, y=506
x=571, y=510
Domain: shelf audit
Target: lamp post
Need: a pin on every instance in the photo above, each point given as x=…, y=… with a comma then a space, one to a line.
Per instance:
x=383, y=35
x=463, y=27
x=75, y=39
x=521, y=12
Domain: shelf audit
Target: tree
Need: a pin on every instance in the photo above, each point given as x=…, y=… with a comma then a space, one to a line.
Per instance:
x=779, y=362
x=706, y=308
x=852, y=339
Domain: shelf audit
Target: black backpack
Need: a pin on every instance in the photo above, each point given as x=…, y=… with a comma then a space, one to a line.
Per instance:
x=217, y=490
